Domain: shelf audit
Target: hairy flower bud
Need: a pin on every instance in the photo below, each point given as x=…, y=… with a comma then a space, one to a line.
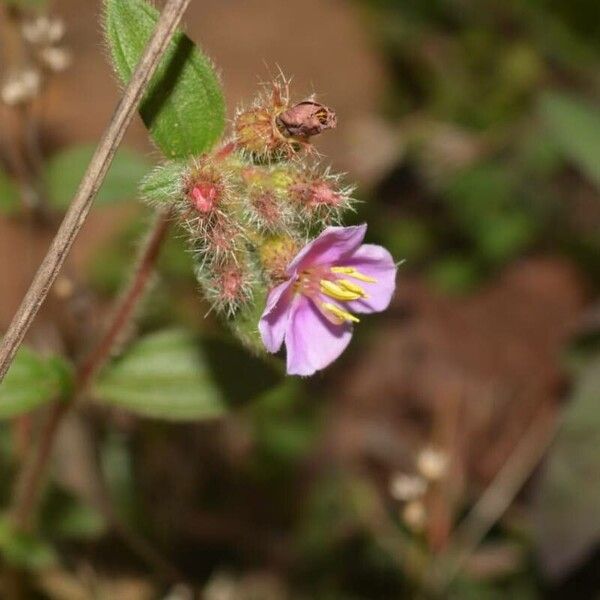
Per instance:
x=204, y=196
x=319, y=196
x=266, y=210
x=276, y=253
x=204, y=185
x=228, y=284
x=272, y=130
x=221, y=240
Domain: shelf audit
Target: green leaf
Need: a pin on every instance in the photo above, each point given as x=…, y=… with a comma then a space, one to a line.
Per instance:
x=163, y=184
x=23, y=549
x=575, y=125
x=65, y=170
x=567, y=505
x=183, y=108
x=163, y=375
x=33, y=380
x=9, y=195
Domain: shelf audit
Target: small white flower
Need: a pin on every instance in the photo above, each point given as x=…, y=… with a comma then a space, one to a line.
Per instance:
x=415, y=515
x=405, y=487
x=20, y=87
x=432, y=463
x=56, y=59
x=43, y=30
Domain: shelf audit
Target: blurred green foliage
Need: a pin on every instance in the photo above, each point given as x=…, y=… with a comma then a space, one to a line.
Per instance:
x=34, y=380
x=66, y=168
x=477, y=97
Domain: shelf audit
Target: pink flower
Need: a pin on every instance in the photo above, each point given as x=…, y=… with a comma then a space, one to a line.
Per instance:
x=330, y=279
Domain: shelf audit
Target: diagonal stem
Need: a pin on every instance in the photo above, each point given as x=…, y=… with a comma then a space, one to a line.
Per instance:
x=96, y=171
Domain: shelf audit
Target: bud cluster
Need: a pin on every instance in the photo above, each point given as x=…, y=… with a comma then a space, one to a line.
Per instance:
x=251, y=205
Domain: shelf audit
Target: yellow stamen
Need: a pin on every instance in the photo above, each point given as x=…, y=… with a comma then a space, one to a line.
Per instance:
x=352, y=287
x=354, y=273
x=340, y=313
x=336, y=292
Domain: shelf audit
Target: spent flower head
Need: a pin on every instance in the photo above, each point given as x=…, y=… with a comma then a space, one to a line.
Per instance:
x=273, y=129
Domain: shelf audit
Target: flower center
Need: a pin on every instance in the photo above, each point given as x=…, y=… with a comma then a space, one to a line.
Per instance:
x=322, y=283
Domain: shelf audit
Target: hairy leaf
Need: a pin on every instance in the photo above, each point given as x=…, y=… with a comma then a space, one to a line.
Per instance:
x=183, y=108
x=32, y=381
x=163, y=184
x=164, y=375
x=65, y=170
x=575, y=126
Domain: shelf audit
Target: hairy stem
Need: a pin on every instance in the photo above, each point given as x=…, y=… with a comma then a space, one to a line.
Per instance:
x=96, y=171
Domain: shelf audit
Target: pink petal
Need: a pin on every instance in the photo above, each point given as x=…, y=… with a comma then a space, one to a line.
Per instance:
x=373, y=261
x=274, y=320
x=311, y=341
x=331, y=245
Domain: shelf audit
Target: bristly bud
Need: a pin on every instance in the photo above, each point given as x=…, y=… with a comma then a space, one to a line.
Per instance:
x=221, y=240
x=276, y=253
x=227, y=285
x=266, y=206
x=265, y=209
x=272, y=130
x=319, y=196
x=204, y=196
x=205, y=185
x=206, y=200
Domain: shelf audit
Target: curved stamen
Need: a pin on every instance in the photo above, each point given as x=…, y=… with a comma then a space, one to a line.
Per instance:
x=337, y=292
x=354, y=273
x=352, y=287
x=343, y=315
